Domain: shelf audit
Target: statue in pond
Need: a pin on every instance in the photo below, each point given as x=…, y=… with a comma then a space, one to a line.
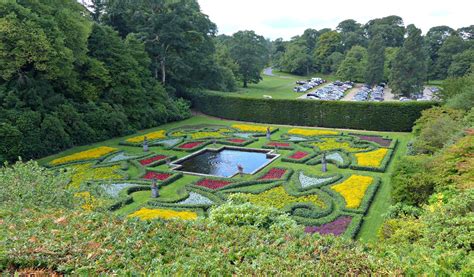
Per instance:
x=268, y=133
x=324, y=163
x=240, y=169
x=154, y=189
x=145, y=144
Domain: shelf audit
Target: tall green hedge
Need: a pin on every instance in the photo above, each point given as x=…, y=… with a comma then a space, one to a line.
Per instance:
x=377, y=116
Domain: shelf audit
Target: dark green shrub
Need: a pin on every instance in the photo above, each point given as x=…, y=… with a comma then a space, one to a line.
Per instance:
x=389, y=116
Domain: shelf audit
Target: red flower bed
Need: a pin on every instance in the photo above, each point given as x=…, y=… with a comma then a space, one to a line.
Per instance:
x=237, y=140
x=279, y=144
x=274, y=173
x=337, y=227
x=152, y=159
x=212, y=184
x=299, y=155
x=190, y=145
x=150, y=175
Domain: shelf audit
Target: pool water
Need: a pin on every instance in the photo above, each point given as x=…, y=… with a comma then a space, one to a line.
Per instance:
x=223, y=162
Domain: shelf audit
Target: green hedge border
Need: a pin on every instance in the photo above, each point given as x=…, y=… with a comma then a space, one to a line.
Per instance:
x=376, y=116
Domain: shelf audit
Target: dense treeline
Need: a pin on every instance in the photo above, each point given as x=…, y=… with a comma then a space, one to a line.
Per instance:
x=382, y=50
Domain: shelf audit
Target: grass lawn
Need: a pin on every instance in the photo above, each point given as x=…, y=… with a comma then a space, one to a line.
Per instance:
x=177, y=190
x=279, y=86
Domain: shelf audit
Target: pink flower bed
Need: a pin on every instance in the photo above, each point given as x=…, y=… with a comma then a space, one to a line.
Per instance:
x=212, y=184
x=337, y=227
x=190, y=145
x=237, y=140
x=379, y=140
x=274, y=173
x=152, y=159
x=279, y=144
x=150, y=175
x=299, y=155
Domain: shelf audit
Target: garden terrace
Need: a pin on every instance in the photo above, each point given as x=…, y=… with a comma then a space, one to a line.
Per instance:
x=195, y=165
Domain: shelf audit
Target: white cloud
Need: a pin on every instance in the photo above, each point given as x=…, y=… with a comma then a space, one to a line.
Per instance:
x=287, y=18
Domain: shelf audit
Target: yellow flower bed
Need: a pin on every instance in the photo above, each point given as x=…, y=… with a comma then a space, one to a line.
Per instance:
x=145, y=214
x=278, y=198
x=372, y=158
x=161, y=134
x=309, y=133
x=85, y=172
x=353, y=189
x=251, y=128
x=201, y=135
x=85, y=155
x=331, y=143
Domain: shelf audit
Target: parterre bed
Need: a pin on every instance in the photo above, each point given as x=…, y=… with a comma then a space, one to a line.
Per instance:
x=327, y=203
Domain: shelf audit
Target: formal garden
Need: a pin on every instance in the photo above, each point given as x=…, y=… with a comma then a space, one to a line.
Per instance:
x=325, y=179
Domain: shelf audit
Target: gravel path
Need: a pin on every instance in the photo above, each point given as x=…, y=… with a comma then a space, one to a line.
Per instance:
x=351, y=93
x=268, y=71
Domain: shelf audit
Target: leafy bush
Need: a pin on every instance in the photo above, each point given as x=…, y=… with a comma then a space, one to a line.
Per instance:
x=238, y=212
x=435, y=128
x=28, y=185
x=411, y=181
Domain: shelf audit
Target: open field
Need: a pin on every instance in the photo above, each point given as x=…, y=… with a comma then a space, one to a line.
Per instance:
x=328, y=206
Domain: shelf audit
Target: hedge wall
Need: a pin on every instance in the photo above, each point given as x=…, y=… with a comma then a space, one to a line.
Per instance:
x=377, y=116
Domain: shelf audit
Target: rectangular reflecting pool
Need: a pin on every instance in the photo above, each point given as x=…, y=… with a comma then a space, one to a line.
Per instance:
x=223, y=162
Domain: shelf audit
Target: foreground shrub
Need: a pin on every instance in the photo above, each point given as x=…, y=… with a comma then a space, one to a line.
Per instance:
x=97, y=243
x=237, y=212
x=28, y=185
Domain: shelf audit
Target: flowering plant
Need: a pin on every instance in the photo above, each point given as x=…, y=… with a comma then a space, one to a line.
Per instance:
x=149, y=175
x=310, y=133
x=146, y=214
x=372, y=158
x=353, y=189
x=278, y=198
x=274, y=173
x=337, y=227
x=212, y=184
x=190, y=145
x=152, y=159
x=150, y=136
x=85, y=155
x=298, y=155
x=252, y=128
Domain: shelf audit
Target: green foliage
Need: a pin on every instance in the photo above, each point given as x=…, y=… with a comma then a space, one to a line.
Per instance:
x=390, y=116
x=375, y=61
x=458, y=92
x=30, y=186
x=237, y=212
x=250, y=53
x=354, y=66
x=409, y=67
x=66, y=81
x=390, y=28
x=297, y=59
x=412, y=183
x=463, y=64
x=435, y=127
x=328, y=43
x=451, y=46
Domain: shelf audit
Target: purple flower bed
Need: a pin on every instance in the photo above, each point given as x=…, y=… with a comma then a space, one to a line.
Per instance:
x=379, y=140
x=337, y=227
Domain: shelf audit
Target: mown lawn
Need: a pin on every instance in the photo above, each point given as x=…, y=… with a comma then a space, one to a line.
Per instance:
x=175, y=190
x=279, y=86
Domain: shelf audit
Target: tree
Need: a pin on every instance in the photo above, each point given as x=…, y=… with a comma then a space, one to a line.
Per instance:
x=391, y=29
x=328, y=43
x=409, y=66
x=390, y=56
x=434, y=39
x=177, y=36
x=335, y=59
x=375, y=61
x=249, y=51
x=462, y=64
x=352, y=34
x=296, y=59
x=354, y=65
x=451, y=46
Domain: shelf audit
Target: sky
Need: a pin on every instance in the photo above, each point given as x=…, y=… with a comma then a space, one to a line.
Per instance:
x=287, y=18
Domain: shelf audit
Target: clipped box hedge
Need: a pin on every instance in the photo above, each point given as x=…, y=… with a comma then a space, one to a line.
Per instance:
x=377, y=116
